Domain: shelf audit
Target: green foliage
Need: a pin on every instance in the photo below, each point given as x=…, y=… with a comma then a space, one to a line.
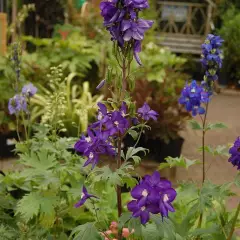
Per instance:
x=230, y=32
x=68, y=107
x=87, y=231
x=157, y=63
x=178, y=162
x=217, y=151
x=195, y=125
x=215, y=126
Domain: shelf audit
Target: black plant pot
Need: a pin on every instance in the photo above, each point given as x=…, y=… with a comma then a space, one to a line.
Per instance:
x=7, y=144
x=158, y=149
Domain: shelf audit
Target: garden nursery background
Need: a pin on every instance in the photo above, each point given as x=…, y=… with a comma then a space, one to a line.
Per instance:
x=117, y=127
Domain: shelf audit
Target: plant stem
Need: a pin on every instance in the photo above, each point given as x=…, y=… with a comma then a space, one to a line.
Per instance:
x=119, y=197
x=19, y=139
x=203, y=144
x=24, y=125
x=95, y=210
x=203, y=159
x=234, y=222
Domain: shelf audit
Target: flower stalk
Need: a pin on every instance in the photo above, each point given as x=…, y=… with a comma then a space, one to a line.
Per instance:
x=234, y=222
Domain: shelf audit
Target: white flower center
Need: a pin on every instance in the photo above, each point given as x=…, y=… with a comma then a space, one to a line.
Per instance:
x=165, y=198
x=88, y=139
x=193, y=90
x=116, y=123
x=145, y=193
x=123, y=113
x=82, y=195
x=91, y=155
x=143, y=208
x=100, y=116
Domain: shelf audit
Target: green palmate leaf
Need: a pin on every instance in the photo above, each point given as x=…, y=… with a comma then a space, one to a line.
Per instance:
x=87, y=231
x=134, y=224
x=150, y=231
x=41, y=160
x=125, y=217
x=195, y=125
x=178, y=162
x=188, y=221
x=219, y=150
x=213, y=126
x=106, y=174
x=165, y=227
x=29, y=206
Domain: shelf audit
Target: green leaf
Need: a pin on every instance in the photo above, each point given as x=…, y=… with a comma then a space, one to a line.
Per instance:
x=105, y=174
x=178, y=162
x=125, y=217
x=237, y=180
x=150, y=231
x=214, y=229
x=133, y=133
x=29, y=206
x=41, y=160
x=220, y=150
x=164, y=226
x=195, y=125
x=133, y=151
x=135, y=224
x=214, y=126
x=87, y=231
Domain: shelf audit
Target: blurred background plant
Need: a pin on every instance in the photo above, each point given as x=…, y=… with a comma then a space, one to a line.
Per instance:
x=230, y=31
x=78, y=106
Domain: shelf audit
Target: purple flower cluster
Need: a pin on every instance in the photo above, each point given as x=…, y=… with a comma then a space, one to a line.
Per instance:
x=18, y=103
x=121, y=20
x=211, y=56
x=29, y=90
x=146, y=113
x=152, y=195
x=84, y=197
x=235, y=153
x=102, y=133
x=192, y=97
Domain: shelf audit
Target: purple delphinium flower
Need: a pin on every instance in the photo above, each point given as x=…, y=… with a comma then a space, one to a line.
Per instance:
x=111, y=13
x=121, y=20
x=93, y=146
x=84, y=197
x=211, y=59
x=235, y=153
x=135, y=29
x=192, y=97
x=152, y=195
x=117, y=123
x=29, y=90
x=137, y=48
x=137, y=4
x=146, y=113
x=102, y=133
x=17, y=104
x=142, y=212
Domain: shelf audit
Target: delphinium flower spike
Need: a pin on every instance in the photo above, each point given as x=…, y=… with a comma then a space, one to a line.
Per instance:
x=122, y=21
x=211, y=60
x=192, y=97
x=235, y=153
